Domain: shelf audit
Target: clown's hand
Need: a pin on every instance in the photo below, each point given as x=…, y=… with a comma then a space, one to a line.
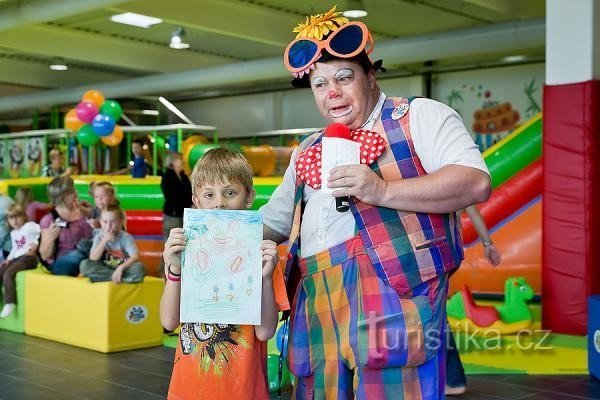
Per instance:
x=358, y=181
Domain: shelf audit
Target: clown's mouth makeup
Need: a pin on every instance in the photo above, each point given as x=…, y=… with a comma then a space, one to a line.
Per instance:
x=337, y=112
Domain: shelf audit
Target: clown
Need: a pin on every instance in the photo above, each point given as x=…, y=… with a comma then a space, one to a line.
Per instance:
x=370, y=284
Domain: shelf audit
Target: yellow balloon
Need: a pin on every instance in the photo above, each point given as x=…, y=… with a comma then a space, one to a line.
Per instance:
x=73, y=123
x=93, y=96
x=186, y=148
x=114, y=138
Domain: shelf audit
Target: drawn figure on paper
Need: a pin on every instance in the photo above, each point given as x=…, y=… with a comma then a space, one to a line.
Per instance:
x=231, y=295
x=249, y=291
x=220, y=245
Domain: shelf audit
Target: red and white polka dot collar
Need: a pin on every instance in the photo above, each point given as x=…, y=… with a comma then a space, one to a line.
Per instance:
x=308, y=163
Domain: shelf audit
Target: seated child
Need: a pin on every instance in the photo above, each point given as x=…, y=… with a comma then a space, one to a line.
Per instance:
x=25, y=237
x=103, y=194
x=114, y=255
x=220, y=361
x=5, y=202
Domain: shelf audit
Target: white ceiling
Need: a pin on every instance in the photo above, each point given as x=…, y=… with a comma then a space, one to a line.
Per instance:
x=220, y=32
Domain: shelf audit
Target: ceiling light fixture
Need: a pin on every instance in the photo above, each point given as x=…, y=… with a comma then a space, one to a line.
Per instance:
x=139, y=20
x=355, y=9
x=513, y=59
x=58, y=64
x=177, y=41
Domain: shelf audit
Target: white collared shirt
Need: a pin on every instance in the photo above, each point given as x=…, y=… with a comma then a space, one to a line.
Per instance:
x=439, y=137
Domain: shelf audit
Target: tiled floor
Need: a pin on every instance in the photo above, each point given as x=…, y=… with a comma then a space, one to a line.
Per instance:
x=32, y=368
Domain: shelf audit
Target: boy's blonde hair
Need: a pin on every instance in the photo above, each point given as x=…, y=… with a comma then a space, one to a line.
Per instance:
x=15, y=211
x=104, y=185
x=221, y=165
x=118, y=211
x=54, y=153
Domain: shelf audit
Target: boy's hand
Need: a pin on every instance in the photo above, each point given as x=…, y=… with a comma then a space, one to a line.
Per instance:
x=108, y=233
x=492, y=254
x=174, y=245
x=270, y=257
x=117, y=275
x=108, y=236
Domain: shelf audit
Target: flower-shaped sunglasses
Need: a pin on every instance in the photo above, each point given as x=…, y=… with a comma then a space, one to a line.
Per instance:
x=346, y=42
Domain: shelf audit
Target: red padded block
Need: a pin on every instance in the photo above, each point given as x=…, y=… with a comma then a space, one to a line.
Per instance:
x=571, y=215
x=144, y=222
x=150, y=252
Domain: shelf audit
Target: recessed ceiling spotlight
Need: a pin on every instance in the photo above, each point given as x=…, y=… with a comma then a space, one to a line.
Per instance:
x=58, y=64
x=177, y=41
x=512, y=59
x=142, y=21
x=355, y=9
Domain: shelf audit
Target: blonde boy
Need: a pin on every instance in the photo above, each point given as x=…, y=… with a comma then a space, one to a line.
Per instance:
x=114, y=254
x=217, y=361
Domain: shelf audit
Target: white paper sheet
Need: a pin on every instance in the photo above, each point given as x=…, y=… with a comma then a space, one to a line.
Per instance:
x=336, y=151
x=221, y=276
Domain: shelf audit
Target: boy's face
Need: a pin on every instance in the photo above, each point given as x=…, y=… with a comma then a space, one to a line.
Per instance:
x=56, y=160
x=224, y=196
x=102, y=197
x=110, y=222
x=136, y=149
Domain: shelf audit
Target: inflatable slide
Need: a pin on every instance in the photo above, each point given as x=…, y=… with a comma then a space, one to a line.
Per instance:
x=513, y=215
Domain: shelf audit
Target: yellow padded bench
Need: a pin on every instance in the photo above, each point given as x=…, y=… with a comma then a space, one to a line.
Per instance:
x=99, y=316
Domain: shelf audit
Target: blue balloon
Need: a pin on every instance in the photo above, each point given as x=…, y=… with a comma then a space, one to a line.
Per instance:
x=172, y=141
x=103, y=125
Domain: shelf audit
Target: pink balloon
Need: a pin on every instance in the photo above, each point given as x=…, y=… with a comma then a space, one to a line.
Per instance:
x=86, y=111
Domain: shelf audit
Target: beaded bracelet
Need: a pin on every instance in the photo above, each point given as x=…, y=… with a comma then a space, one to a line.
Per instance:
x=171, y=272
x=173, y=277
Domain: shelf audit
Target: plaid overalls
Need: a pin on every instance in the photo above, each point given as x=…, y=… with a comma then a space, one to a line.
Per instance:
x=369, y=314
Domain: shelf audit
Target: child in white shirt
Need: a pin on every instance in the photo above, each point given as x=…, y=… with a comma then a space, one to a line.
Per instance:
x=25, y=238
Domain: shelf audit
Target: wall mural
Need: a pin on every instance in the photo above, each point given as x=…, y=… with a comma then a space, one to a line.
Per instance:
x=21, y=158
x=496, y=117
x=493, y=103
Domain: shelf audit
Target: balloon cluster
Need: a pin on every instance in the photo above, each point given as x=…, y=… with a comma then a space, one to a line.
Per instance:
x=95, y=118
